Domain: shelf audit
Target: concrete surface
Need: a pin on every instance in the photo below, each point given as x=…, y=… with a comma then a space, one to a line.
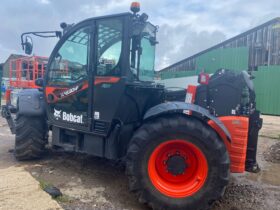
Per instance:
x=18, y=189
x=94, y=183
x=271, y=127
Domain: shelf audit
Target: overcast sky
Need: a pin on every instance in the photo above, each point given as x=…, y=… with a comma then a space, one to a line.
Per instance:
x=185, y=26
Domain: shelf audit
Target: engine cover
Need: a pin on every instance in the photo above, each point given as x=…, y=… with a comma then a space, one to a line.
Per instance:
x=227, y=93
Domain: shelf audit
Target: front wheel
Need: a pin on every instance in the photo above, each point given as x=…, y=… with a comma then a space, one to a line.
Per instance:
x=176, y=162
x=31, y=137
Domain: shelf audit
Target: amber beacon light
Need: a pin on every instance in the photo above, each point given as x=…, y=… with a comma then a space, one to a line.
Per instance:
x=135, y=7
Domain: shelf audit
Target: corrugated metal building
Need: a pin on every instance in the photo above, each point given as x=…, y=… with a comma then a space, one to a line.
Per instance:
x=257, y=50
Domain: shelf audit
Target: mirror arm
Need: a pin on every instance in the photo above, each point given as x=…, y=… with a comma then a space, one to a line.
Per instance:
x=43, y=34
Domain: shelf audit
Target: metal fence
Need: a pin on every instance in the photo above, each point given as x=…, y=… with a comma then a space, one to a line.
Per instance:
x=267, y=86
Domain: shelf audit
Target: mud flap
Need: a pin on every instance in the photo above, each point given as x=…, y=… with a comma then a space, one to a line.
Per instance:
x=112, y=144
x=255, y=124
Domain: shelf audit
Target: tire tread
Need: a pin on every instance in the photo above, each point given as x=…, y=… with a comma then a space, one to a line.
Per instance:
x=178, y=122
x=31, y=137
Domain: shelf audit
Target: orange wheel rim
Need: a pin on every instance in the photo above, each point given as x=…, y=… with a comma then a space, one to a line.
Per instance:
x=177, y=168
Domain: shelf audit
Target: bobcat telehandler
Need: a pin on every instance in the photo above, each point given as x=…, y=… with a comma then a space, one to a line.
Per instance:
x=98, y=97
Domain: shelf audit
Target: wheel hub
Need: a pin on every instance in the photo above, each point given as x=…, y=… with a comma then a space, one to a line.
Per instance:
x=177, y=168
x=176, y=165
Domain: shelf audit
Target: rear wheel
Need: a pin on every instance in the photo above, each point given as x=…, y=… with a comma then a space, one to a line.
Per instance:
x=31, y=137
x=177, y=162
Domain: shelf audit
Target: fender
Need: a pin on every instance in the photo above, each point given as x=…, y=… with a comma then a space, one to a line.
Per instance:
x=31, y=103
x=180, y=107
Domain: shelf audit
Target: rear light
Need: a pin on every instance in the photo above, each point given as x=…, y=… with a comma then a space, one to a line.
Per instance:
x=203, y=78
x=190, y=97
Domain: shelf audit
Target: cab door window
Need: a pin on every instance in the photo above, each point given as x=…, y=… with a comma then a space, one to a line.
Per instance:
x=67, y=89
x=109, y=47
x=70, y=64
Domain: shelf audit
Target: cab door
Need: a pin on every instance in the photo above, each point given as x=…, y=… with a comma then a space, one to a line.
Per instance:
x=109, y=69
x=68, y=88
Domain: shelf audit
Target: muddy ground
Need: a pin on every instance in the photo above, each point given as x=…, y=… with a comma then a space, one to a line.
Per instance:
x=95, y=183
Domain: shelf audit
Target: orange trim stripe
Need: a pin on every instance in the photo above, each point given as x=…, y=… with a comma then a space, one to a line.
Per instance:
x=98, y=80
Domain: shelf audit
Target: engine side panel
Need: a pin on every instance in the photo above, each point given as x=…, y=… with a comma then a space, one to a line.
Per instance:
x=226, y=94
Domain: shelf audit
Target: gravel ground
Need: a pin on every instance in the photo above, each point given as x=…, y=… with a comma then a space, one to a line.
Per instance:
x=273, y=153
x=94, y=183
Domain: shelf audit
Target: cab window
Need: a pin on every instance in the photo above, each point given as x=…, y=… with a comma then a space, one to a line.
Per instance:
x=146, y=69
x=70, y=64
x=109, y=47
x=142, y=53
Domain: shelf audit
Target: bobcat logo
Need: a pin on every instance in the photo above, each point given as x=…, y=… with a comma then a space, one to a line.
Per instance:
x=57, y=113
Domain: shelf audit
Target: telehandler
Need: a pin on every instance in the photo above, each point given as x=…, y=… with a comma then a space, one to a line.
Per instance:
x=179, y=147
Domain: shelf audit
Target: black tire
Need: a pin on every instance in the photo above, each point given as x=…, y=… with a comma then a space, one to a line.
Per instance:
x=162, y=129
x=31, y=137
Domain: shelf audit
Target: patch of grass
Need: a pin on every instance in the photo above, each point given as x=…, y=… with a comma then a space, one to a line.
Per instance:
x=43, y=184
x=63, y=199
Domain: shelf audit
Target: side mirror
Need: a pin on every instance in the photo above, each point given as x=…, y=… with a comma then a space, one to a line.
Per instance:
x=39, y=82
x=28, y=45
x=153, y=41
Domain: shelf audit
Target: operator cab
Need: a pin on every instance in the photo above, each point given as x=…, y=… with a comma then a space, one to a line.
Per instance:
x=98, y=67
x=115, y=34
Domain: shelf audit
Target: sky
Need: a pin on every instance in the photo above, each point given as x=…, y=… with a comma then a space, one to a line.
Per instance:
x=186, y=27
